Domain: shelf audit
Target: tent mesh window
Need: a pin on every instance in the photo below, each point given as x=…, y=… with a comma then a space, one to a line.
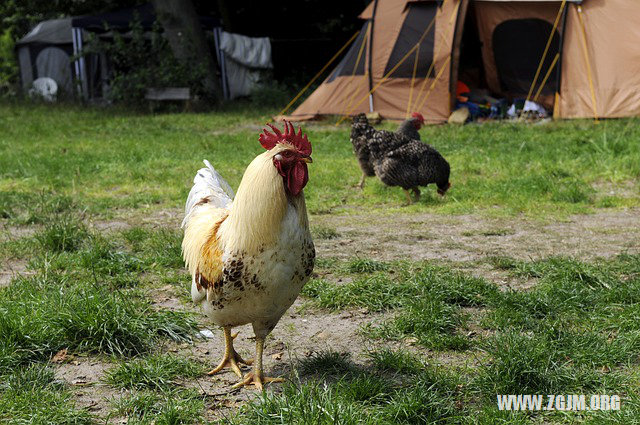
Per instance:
x=518, y=45
x=351, y=64
x=419, y=17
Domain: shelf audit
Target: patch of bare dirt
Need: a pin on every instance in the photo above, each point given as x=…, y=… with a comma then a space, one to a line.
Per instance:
x=111, y=226
x=165, y=298
x=17, y=232
x=84, y=375
x=10, y=269
x=171, y=218
x=472, y=238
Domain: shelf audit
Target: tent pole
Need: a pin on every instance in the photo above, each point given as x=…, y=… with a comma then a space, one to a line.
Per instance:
x=83, y=69
x=556, y=98
x=560, y=49
x=221, y=63
x=432, y=66
x=546, y=77
x=373, y=19
x=546, y=49
x=79, y=63
x=355, y=67
x=76, y=52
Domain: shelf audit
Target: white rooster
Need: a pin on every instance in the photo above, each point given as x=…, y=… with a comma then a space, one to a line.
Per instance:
x=250, y=256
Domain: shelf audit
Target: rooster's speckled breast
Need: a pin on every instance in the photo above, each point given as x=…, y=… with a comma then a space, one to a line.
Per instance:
x=258, y=288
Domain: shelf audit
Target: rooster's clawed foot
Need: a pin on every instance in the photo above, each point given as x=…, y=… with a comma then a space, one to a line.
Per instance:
x=256, y=379
x=231, y=358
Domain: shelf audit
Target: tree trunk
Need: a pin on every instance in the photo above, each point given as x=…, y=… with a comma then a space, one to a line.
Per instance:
x=187, y=40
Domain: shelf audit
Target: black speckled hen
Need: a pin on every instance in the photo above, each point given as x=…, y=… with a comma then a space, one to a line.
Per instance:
x=398, y=160
x=362, y=132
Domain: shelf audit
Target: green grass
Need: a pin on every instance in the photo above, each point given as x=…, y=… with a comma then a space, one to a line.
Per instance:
x=427, y=299
x=179, y=406
x=83, y=294
x=346, y=393
x=365, y=265
x=400, y=361
x=111, y=159
x=162, y=247
x=431, y=321
x=31, y=395
x=153, y=372
x=47, y=312
x=324, y=232
x=86, y=293
x=576, y=330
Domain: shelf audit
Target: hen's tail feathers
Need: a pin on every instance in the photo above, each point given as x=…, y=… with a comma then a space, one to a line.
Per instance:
x=208, y=188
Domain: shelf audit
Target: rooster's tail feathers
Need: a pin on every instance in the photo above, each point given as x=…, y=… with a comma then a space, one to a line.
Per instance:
x=208, y=188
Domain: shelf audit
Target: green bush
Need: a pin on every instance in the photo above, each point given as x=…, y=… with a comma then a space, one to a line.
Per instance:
x=8, y=65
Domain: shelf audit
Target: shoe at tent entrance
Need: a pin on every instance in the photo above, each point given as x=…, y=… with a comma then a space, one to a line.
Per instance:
x=577, y=58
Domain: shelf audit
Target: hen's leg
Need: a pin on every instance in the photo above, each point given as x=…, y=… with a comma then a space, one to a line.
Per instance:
x=409, y=200
x=231, y=358
x=416, y=194
x=256, y=377
x=361, y=184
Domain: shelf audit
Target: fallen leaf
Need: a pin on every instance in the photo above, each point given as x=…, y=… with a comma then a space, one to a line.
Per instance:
x=277, y=356
x=60, y=356
x=411, y=341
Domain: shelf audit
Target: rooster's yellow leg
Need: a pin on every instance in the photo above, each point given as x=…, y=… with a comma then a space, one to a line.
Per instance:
x=256, y=377
x=231, y=358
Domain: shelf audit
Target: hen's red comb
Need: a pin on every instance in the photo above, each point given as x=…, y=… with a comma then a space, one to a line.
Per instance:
x=419, y=116
x=268, y=140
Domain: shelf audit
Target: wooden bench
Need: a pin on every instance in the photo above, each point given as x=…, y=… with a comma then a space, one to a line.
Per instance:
x=155, y=95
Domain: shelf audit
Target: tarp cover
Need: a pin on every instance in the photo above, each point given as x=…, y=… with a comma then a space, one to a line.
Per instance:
x=248, y=51
x=54, y=31
x=244, y=56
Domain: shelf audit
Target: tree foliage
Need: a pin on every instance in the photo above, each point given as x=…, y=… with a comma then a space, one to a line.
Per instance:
x=142, y=60
x=304, y=33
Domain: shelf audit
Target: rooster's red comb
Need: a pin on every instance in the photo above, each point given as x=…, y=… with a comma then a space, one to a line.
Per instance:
x=419, y=116
x=268, y=140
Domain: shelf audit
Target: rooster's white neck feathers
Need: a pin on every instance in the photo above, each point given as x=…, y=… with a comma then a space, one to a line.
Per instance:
x=260, y=205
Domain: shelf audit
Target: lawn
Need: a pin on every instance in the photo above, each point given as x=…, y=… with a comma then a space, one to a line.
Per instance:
x=96, y=326
x=110, y=160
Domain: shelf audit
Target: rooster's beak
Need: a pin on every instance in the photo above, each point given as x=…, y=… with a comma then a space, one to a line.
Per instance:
x=306, y=159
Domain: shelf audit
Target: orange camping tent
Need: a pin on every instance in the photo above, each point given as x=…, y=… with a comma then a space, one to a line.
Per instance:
x=581, y=58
